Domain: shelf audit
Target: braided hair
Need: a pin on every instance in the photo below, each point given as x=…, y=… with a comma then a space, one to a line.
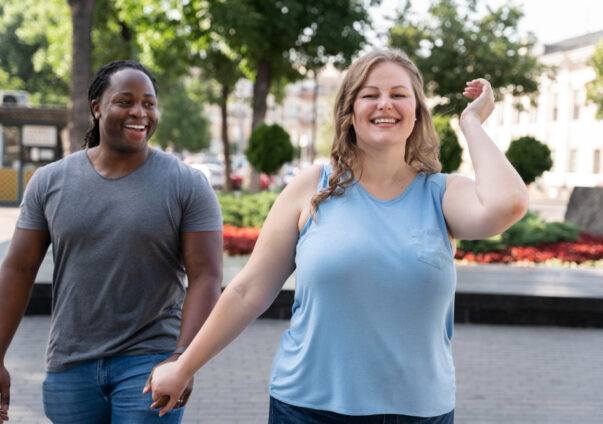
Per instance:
x=98, y=86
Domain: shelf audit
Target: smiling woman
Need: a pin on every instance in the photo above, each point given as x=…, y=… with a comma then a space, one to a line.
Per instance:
x=369, y=237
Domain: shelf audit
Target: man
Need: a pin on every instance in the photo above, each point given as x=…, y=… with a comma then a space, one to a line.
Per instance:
x=127, y=224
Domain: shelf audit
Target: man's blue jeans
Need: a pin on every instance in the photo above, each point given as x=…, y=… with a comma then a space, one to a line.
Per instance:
x=107, y=390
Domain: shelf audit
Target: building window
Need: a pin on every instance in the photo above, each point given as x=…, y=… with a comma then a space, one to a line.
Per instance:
x=533, y=113
x=577, y=104
x=597, y=161
x=573, y=158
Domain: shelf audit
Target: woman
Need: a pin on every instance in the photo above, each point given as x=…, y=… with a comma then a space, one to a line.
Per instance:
x=373, y=312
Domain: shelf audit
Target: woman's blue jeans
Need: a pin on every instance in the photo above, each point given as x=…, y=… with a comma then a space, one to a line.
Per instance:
x=106, y=390
x=284, y=413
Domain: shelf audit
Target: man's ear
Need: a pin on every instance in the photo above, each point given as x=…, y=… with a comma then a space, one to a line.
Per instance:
x=95, y=106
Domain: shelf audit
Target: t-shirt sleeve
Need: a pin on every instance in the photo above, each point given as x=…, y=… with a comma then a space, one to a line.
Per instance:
x=31, y=213
x=201, y=210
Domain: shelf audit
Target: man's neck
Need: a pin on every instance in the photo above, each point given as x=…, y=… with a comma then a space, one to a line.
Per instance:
x=113, y=164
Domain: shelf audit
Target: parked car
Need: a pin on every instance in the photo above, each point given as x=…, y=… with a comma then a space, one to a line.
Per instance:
x=212, y=168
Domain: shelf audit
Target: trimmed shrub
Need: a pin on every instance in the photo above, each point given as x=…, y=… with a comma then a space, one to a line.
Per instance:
x=530, y=158
x=246, y=210
x=451, y=151
x=269, y=148
x=529, y=231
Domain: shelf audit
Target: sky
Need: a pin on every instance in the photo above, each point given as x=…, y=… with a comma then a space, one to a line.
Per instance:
x=550, y=20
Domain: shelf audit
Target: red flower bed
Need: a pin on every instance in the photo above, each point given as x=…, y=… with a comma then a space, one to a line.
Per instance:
x=587, y=248
x=239, y=241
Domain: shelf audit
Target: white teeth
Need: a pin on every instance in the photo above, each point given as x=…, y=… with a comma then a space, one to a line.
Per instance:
x=384, y=121
x=135, y=127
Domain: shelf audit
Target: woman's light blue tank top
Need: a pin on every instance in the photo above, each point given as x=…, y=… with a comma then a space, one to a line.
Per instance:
x=373, y=310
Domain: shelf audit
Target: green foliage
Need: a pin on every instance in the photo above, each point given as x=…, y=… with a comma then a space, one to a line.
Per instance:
x=269, y=147
x=451, y=151
x=595, y=87
x=454, y=45
x=246, y=210
x=529, y=231
x=36, y=39
x=480, y=246
x=288, y=32
x=35, y=52
x=279, y=41
x=529, y=157
x=182, y=124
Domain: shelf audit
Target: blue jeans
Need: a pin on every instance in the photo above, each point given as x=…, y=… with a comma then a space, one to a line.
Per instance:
x=106, y=390
x=283, y=413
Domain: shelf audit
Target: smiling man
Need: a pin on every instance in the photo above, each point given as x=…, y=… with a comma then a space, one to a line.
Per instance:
x=127, y=224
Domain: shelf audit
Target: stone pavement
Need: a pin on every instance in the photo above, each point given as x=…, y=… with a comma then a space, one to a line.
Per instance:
x=505, y=375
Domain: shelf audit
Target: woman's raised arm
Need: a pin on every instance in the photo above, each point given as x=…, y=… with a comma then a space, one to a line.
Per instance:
x=498, y=197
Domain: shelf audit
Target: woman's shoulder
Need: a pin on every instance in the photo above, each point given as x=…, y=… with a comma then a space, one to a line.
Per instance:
x=307, y=179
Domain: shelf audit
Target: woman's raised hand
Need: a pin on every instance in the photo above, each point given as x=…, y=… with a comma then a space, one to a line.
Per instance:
x=483, y=100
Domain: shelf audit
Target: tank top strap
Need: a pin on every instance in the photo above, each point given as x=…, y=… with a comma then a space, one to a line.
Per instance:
x=325, y=173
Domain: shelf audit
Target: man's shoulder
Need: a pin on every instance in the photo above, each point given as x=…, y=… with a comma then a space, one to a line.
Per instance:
x=172, y=167
x=60, y=165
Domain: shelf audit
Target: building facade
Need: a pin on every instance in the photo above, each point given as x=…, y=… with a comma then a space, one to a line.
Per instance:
x=561, y=117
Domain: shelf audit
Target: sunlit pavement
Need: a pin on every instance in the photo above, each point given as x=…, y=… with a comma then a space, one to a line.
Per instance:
x=505, y=374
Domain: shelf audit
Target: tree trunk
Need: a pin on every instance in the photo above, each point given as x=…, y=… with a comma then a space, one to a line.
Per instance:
x=81, y=58
x=261, y=87
x=311, y=150
x=225, y=140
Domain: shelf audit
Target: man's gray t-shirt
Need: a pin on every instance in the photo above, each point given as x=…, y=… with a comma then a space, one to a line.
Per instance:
x=118, y=282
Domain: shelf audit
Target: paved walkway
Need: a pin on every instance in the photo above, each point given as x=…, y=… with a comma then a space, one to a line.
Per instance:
x=504, y=375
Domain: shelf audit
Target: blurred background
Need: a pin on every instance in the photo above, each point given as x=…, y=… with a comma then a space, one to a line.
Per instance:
x=246, y=88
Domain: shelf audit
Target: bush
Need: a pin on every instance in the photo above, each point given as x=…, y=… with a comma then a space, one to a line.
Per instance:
x=529, y=231
x=451, y=151
x=487, y=245
x=246, y=210
x=530, y=158
x=269, y=148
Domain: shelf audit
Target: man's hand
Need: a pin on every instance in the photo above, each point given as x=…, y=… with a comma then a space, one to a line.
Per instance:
x=162, y=401
x=4, y=393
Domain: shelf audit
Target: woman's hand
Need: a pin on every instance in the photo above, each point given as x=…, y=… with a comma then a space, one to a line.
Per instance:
x=168, y=384
x=483, y=101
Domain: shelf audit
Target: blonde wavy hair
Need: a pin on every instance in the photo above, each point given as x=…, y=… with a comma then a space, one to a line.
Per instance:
x=422, y=146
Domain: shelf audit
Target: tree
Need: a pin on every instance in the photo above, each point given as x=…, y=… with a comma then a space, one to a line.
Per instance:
x=595, y=87
x=35, y=42
x=224, y=69
x=182, y=125
x=81, y=71
x=529, y=157
x=451, y=151
x=279, y=40
x=269, y=148
x=454, y=46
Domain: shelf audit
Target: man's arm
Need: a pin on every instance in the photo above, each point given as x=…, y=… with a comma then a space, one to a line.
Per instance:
x=202, y=252
x=17, y=275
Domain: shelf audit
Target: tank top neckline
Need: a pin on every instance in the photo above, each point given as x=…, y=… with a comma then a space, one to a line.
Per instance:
x=396, y=199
